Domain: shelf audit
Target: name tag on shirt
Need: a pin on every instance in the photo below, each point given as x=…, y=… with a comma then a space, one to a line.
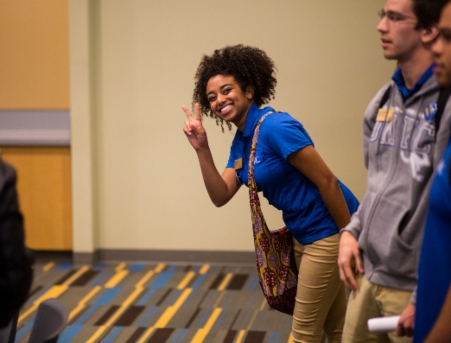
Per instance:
x=238, y=164
x=385, y=115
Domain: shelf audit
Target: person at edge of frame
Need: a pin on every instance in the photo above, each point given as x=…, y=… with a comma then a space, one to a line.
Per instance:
x=231, y=85
x=379, y=249
x=16, y=260
x=433, y=310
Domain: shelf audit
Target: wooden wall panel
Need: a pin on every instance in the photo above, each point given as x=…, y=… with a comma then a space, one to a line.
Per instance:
x=34, y=57
x=44, y=186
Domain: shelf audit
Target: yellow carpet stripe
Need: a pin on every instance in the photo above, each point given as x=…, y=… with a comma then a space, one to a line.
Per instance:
x=116, y=315
x=225, y=282
x=145, y=279
x=262, y=305
x=171, y=310
x=252, y=320
x=160, y=267
x=120, y=266
x=138, y=289
x=219, y=299
x=53, y=292
x=186, y=280
x=240, y=337
x=76, y=275
x=83, y=302
x=97, y=334
x=48, y=266
x=124, y=306
x=290, y=339
x=203, y=332
x=146, y=335
x=204, y=269
x=116, y=278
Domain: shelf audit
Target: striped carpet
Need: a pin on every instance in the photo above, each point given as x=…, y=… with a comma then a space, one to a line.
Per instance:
x=156, y=303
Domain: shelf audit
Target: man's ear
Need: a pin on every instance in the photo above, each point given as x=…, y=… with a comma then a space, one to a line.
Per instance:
x=430, y=34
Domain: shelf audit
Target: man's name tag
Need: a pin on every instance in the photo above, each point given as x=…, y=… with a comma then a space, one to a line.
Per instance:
x=238, y=163
x=385, y=114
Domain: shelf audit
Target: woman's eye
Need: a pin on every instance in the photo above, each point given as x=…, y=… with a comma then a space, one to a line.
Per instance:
x=227, y=90
x=212, y=98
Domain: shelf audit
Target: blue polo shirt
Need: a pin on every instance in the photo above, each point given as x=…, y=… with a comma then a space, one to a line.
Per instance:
x=399, y=81
x=434, y=271
x=285, y=187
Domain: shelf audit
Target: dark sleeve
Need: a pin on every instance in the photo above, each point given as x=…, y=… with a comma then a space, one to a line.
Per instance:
x=16, y=262
x=449, y=170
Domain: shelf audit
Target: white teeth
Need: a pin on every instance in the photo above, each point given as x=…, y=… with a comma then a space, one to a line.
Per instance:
x=225, y=108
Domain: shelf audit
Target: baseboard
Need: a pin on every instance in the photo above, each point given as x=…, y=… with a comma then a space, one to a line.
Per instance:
x=166, y=256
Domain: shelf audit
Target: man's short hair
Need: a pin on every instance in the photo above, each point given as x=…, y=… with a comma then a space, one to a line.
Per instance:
x=427, y=12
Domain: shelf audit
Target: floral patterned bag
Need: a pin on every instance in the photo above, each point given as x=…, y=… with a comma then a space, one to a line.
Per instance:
x=276, y=266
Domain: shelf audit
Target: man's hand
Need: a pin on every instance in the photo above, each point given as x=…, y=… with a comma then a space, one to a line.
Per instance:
x=349, y=260
x=406, y=321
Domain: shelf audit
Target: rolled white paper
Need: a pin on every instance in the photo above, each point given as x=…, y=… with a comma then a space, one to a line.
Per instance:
x=383, y=324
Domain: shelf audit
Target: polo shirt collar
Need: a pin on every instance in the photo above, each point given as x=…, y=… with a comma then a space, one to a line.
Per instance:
x=399, y=81
x=253, y=116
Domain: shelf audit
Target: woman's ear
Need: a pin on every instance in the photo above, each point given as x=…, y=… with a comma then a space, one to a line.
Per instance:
x=249, y=92
x=430, y=34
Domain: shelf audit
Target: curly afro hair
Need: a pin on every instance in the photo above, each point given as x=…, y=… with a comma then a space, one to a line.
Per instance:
x=249, y=66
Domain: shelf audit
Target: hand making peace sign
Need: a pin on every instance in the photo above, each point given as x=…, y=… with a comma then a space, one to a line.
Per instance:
x=194, y=131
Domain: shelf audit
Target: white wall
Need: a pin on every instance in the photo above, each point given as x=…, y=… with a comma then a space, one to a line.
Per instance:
x=144, y=185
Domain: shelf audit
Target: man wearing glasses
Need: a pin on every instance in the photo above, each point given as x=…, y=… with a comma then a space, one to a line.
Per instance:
x=379, y=249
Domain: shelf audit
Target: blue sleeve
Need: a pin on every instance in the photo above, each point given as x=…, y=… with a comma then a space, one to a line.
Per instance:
x=283, y=134
x=231, y=161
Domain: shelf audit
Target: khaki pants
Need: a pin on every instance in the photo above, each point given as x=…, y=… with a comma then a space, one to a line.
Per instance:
x=371, y=301
x=320, y=299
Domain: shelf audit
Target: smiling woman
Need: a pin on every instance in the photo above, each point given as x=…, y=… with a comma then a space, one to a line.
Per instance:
x=252, y=70
x=231, y=85
x=228, y=101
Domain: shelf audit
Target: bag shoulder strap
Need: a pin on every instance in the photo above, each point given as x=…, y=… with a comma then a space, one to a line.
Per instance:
x=385, y=97
x=443, y=96
x=251, y=180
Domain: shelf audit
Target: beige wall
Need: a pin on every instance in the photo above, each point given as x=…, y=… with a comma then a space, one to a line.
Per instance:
x=136, y=180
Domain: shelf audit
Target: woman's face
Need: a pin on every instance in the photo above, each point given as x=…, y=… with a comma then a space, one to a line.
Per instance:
x=228, y=101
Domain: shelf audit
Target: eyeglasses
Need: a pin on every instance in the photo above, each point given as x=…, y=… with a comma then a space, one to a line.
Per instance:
x=394, y=17
x=445, y=35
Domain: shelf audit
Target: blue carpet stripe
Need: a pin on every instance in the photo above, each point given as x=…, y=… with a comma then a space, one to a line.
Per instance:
x=204, y=318
x=147, y=316
x=101, y=278
x=180, y=335
x=104, y=300
x=146, y=297
x=65, y=266
x=86, y=315
x=113, y=334
x=163, y=278
x=38, y=294
x=24, y=330
x=174, y=297
x=136, y=267
x=70, y=333
x=199, y=281
x=180, y=314
x=108, y=295
x=253, y=283
x=220, y=319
